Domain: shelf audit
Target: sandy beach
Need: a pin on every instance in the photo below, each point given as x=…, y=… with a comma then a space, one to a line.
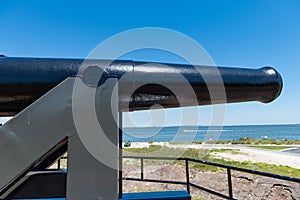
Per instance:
x=275, y=157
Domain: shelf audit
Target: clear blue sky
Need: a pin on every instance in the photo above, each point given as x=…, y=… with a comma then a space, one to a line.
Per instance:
x=250, y=34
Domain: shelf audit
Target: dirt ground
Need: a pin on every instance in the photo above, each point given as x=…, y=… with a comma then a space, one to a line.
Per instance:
x=245, y=186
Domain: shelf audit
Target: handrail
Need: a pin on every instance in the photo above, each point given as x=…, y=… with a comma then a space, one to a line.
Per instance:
x=188, y=183
x=286, y=178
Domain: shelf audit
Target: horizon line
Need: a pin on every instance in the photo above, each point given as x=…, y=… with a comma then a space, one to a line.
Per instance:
x=212, y=125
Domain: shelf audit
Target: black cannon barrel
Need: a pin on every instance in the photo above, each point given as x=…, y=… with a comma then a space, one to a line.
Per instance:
x=142, y=85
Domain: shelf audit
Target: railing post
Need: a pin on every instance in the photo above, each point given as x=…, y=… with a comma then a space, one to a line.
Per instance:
x=187, y=175
x=58, y=163
x=120, y=156
x=142, y=168
x=229, y=182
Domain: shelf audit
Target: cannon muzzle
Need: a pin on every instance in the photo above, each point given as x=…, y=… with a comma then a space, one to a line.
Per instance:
x=141, y=85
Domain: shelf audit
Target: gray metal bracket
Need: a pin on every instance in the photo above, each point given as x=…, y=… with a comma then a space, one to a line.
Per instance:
x=26, y=139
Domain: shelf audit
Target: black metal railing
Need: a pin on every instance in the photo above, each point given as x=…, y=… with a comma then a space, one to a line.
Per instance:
x=59, y=161
x=190, y=184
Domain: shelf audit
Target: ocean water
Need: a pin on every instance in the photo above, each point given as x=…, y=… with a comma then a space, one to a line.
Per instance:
x=204, y=133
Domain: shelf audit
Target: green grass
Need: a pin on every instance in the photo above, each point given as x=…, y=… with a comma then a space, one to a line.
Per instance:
x=207, y=155
x=232, y=151
x=271, y=147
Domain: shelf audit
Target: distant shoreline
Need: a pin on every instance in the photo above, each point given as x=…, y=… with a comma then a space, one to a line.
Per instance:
x=199, y=145
x=241, y=141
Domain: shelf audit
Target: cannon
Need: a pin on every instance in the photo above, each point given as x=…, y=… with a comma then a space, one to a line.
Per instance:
x=24, y=80
x=38, y=93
